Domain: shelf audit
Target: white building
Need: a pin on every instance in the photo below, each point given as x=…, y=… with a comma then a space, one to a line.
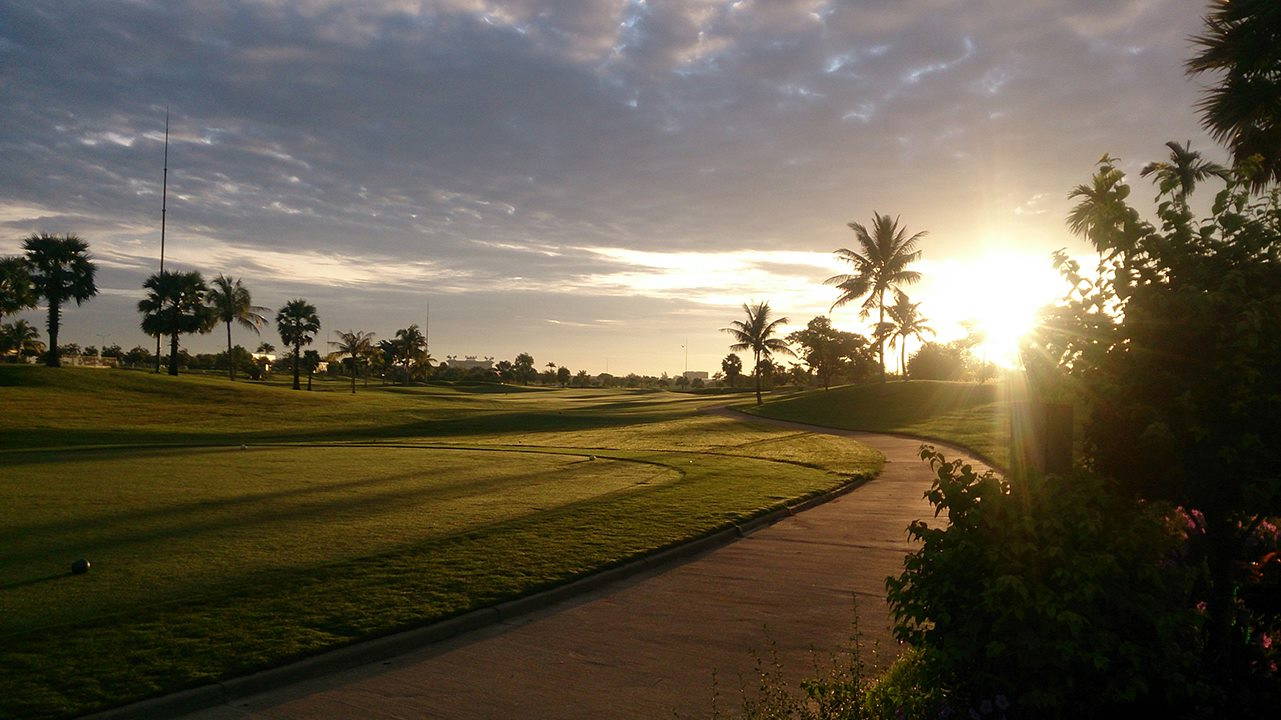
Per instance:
x=692, y=375
x=469, y=362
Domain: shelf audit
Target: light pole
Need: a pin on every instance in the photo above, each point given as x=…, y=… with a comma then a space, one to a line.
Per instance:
x=164, y=208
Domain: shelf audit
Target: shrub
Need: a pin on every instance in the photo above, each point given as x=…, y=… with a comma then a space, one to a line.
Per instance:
x=1051, y=593
x=937, y=362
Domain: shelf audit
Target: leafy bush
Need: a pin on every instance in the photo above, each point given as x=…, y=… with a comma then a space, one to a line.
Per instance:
x=1048, y=594
x=937, y=362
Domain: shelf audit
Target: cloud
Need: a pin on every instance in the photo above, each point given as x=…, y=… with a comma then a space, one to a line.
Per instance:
x=534, y=159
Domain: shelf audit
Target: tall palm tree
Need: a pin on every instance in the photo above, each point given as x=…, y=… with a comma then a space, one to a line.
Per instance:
x=175, y=306
x=356, y=345
x=756, y=333
x=1244, y=110
x=231, y=303
x=1181, y=173
x=297, y=323
x=905, y=322
x=1101, y=208
x=21, y=338
x=61, y=270
x=16, y=291
x=880, y=266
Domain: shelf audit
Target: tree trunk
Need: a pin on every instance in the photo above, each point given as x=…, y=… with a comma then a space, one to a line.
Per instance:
x=880, y=337
x=353, y=376
x=310, y=371
x=231, y=364
x=55, y=319
x=902, y=357
x=297, y=385
x=756, y=370
x=173, y=354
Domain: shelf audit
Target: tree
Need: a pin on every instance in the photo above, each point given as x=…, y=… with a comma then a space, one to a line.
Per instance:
x=265, y=348
x=523, y=367
x=1095, y=215
x=310, y=362
x=881, y=266
x=61, y=270
x=231, y=303
x=16, y=291
x=1174, y=344
x=563, y=375
x=175, y=306
x=1181, y=173
x=506, y=371
x=732, y=366
x=20, y=338
x=827, y=350
x=905, y=322
x=938, y=361
x=1242, y=42
x=756, y=333
x=356, y=345
x=297, y=324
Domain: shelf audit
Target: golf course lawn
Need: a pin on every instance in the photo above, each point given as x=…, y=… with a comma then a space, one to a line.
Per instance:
x=961, y=413
x=233, y=527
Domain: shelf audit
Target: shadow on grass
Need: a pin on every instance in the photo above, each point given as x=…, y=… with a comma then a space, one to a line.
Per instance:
x=33, y=581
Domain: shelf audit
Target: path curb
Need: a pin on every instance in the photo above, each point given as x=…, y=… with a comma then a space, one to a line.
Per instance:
x=389, y=646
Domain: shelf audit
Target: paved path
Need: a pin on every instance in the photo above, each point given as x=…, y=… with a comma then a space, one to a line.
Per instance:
x=648, y=647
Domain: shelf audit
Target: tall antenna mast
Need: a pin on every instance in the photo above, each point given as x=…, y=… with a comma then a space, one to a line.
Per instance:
x=164, y=208
x=427, y=331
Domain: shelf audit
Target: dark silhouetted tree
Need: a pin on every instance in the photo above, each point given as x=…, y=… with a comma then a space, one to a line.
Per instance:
x=175, y=306
x=756, y=333
x=297, y=323
x=231, y=303
x=61, y=270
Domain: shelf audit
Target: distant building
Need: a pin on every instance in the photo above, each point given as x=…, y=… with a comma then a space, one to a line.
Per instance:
x=264, y=359
x=469, y=362
x=692, y=375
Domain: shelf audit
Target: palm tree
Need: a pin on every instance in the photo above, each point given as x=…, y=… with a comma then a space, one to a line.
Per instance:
x=61, y=270
x=756, y=333
x=311, y=361
x=175, y=306
x=1244, y=110
x=881, y=266
x=905, y=322
x=297, y=324
x=16, y=291
x=1181, y=173
x=20, y=338
x=355, y=344
x=411, y=347
x=231, y=303
x=732, y=366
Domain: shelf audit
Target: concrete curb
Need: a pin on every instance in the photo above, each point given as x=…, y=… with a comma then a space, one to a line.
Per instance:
x=389, y=646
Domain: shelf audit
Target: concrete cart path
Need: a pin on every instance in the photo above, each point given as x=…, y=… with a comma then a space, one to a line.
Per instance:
x=649, y=646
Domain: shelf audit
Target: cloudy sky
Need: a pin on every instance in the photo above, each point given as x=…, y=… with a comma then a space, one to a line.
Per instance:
x=592, y=181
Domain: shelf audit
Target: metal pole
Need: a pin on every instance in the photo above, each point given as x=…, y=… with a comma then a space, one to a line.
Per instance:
x=164, y=208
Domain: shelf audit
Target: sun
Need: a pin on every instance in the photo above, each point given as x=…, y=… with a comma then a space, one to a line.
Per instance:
x=998, y=294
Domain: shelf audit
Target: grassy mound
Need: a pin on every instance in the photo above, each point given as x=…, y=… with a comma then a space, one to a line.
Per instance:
x=972, y=416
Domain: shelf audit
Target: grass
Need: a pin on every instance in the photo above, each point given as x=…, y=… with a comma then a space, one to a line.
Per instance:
x=965, y=414
x=346, y=517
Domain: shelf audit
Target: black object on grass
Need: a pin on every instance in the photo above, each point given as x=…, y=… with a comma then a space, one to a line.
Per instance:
x=80, y=567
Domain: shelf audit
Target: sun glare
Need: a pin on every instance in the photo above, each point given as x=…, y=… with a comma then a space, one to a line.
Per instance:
x=1001, y=294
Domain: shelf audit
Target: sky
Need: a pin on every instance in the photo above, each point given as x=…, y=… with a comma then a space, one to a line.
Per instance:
x=596, y=182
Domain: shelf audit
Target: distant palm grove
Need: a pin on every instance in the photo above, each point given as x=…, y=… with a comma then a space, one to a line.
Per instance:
x=59, y=270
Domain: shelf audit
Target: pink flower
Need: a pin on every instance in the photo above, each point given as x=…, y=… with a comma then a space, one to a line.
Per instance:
x=1265, y=640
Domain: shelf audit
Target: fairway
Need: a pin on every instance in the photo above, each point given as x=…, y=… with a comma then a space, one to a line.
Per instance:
x=974, y=416
x=277, y=524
